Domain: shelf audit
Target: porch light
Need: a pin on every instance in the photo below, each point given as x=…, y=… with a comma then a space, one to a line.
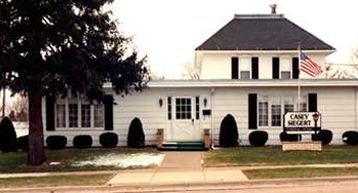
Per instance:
x=205, y=102
x=315, y=119
x=160, y=102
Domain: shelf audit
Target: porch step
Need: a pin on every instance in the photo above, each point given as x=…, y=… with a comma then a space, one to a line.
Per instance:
x=183, y=146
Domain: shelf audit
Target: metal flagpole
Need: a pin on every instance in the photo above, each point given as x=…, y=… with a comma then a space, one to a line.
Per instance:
x=299, y=77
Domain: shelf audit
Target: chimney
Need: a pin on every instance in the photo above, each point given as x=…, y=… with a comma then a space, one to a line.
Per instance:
x=273, y=8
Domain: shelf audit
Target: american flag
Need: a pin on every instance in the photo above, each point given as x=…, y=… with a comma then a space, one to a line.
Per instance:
x=309, y=66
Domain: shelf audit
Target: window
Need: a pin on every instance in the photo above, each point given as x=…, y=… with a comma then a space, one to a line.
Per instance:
x=85, y=115
x=276, y=115
x=288, y=105
x=303, y=105
x=263, y=112
x=73, y=115
x=245, y=75
x=98, y=115
x=61, y=115
x=183, y=108
x=76, y=113
x=285, y=74
x=271, y=109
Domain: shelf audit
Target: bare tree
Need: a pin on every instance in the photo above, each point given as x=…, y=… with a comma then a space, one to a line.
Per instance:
x=19, y=106
x=354, y=55
x=191, y=71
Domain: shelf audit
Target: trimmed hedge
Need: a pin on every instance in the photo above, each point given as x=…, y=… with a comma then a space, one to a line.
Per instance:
x=23, y=143
x=258, y=138
x=289, y=137
x=82, y=141
x=229, y=134
x=325, y=136
x=108, y=140
x=136, y=137
x=56, y=142
x=8, y=140
x=350, y=137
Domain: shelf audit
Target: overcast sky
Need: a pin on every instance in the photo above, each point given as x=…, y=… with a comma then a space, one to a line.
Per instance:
x=168, y=31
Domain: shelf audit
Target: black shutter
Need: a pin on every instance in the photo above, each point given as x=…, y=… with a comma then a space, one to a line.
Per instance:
x=50, y=113
x=234, y=68
x=255, y=67
x=295, y=70
x=252, y=111
x=312, y=102
x=275, y=68
x=108, y=112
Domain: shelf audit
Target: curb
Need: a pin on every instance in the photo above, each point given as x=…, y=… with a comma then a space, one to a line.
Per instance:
x=192, y=186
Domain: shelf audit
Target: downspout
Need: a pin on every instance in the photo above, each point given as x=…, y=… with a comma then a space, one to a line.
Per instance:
x=212, y=91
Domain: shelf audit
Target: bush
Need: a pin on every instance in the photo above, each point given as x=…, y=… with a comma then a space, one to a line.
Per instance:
x=136, y=135
x=289, y=137
x=23, y=143
x=108, y=140
x=8, y=141
x=229, y=134
x=350, y=137
x=82, y=141
x=325, y=136
x=258, y=138
x=56, y=142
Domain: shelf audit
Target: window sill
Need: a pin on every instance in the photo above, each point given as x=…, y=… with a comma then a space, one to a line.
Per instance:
x=80, y=129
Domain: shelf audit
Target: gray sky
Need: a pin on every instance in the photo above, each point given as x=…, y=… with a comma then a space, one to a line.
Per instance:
x=168, y=31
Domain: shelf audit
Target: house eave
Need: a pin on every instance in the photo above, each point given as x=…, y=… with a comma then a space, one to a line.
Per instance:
x=252, y=83
x=263, y=51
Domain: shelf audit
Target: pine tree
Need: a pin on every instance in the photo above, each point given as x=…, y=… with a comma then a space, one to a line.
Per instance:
x=48, y=47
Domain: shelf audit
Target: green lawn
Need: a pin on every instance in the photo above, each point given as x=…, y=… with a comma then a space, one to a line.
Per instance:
x=16, y=162
x=273, y=155
x=299, y=172
x=30, y=182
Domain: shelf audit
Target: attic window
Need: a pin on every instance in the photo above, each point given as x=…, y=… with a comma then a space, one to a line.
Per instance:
x=245, y=75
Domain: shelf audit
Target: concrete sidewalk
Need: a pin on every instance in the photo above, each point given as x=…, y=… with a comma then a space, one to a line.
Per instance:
x=179, y=168
x=211, y=175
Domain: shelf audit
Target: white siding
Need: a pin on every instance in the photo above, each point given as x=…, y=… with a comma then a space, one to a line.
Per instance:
x=217, y=65
x=338, y=106
x=338, y=109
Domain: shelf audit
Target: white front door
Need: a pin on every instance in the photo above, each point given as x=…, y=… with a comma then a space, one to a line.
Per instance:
x=185, y=122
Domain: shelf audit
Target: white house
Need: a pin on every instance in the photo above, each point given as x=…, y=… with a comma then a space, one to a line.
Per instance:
x=249, y=69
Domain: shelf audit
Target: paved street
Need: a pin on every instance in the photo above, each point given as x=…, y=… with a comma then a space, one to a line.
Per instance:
x=290, y=186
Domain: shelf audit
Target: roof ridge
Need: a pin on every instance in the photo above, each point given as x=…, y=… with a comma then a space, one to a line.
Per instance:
x=259, y=16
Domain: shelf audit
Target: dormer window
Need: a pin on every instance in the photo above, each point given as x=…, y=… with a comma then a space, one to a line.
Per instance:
x=245, y=75
x=285, y=75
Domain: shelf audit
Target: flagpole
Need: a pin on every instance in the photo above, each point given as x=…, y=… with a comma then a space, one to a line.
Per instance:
x=299, y=77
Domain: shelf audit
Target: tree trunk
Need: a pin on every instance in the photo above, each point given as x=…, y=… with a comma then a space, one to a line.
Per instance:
x=36, y=153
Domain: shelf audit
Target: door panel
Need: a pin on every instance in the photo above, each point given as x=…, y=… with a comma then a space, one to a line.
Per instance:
x=184, y=126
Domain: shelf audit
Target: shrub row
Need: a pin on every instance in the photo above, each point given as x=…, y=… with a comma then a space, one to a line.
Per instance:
x=107, y=140
x=350, y=137
x=259, y=138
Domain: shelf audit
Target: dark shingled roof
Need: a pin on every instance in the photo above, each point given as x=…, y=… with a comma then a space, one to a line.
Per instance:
x=262, y=32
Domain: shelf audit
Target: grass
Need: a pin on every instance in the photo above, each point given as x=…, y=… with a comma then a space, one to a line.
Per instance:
x=273, y=155
x=16, y=162
x=299, y=172
x=31, y=182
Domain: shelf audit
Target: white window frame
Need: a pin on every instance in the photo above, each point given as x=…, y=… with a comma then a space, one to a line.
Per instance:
x=280, y=100
x=79, y=101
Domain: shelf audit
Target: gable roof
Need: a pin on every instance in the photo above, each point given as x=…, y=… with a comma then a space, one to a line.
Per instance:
x=262, y=32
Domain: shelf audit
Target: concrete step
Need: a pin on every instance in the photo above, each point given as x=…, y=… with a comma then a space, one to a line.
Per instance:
x=183, y=146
